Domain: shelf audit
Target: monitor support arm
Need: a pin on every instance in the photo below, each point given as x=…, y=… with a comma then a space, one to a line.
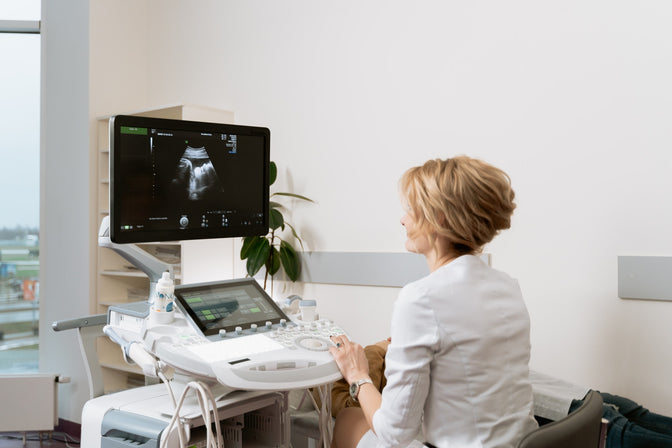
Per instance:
x=142, y=260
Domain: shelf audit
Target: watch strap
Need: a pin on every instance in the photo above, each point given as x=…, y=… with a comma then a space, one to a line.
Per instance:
x=355, y=386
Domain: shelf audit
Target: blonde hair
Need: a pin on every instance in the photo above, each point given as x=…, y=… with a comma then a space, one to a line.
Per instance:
x=464, y=200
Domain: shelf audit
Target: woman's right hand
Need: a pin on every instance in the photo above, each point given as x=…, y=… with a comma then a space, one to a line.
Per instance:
x=350, y=358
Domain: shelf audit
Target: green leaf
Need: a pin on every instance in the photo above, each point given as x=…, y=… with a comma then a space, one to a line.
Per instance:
x=276, y=220
x=292, y=195
x=273, y=262
x=248, y=243
x=257, y=256
x=273, y=204
x=290, y=260
x=296, y=235
x=272, y=173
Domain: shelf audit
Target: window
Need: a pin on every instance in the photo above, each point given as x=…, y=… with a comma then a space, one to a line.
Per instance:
x=19, y=185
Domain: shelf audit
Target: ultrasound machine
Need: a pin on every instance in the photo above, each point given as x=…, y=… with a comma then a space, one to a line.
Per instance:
x=229, y=344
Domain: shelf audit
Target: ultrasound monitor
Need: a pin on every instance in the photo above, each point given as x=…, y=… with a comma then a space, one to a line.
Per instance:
x=173, y=180
x=227, y=304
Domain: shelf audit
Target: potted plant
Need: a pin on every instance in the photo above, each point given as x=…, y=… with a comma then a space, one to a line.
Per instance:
x=272, y=251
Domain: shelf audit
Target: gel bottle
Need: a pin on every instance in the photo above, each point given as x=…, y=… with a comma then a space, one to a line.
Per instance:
x=162, y=308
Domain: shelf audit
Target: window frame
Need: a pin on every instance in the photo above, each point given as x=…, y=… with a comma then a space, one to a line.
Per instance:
x=22, y=27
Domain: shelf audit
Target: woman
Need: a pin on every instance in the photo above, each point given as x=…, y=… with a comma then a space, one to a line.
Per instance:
x=457, y=365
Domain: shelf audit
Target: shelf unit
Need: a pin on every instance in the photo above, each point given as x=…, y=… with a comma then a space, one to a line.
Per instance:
x=117, y=281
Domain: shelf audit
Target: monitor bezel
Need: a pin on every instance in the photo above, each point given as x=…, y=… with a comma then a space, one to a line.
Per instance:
x=153, y=235
x=180, y=290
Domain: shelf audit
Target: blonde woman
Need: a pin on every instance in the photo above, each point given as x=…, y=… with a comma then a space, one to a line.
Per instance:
x=457, y=365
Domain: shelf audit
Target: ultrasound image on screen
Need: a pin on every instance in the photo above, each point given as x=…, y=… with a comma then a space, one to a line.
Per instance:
x=174, y=180
x=195, y=176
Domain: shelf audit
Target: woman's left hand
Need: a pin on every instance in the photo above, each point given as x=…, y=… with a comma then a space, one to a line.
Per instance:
x=350, y=358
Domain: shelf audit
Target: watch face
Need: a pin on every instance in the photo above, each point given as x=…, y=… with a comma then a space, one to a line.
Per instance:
x=354, y=387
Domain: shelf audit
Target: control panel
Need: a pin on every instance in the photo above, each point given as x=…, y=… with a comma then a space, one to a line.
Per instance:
x=233, y=332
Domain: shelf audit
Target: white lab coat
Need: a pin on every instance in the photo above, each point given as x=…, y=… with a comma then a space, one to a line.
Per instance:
x=457, y=365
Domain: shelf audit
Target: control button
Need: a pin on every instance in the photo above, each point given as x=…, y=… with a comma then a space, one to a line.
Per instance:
x=269, y=324
x=312, y=343
x=253, y=327
x=222, y=333
x=283, y=322
x=239, y=330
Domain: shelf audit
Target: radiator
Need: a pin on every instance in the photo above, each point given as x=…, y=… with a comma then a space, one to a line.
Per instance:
x=28, y=402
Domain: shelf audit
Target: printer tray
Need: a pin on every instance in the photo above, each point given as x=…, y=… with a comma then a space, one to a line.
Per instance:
x=121, y=429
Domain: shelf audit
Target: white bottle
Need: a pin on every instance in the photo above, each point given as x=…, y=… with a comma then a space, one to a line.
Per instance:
x=308, y=310
x=162, y=307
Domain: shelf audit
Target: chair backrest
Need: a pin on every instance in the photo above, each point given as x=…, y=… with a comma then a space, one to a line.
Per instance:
x=580, y=429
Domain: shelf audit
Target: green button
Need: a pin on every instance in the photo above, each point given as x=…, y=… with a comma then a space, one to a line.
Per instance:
x=133, y=130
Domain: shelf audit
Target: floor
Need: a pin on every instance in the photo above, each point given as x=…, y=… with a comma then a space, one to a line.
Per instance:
x=57, y=440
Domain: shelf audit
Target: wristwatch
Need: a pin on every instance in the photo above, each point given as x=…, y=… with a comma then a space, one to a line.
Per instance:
x=354, y=387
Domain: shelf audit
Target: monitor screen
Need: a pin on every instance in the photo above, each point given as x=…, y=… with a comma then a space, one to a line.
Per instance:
x=173, y=180
x=228, y=304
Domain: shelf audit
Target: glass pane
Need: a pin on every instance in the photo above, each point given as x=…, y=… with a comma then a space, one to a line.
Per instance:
x=20, y=10
x=19, y=201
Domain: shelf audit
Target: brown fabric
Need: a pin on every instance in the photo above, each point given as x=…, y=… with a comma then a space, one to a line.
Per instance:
x=340, y=392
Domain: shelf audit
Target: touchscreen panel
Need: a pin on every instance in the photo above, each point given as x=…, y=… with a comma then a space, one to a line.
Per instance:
x=226, y=305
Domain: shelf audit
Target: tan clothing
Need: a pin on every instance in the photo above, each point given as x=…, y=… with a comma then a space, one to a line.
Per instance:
x=340, y=392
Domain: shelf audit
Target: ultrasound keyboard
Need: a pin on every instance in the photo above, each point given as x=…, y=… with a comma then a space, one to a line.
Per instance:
x=233, y=332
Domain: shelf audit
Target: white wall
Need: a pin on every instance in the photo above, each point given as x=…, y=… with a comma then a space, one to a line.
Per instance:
x=118, y=59
x=571, y=98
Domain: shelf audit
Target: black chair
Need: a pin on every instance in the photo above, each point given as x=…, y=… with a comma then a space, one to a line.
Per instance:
x=582, y=428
